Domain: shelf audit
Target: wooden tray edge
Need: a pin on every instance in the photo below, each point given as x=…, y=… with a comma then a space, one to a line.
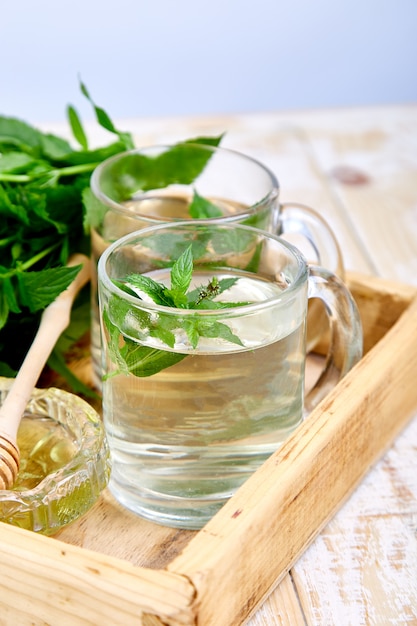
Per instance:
x=260, y=533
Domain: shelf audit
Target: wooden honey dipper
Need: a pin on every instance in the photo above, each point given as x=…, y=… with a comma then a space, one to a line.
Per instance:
x=54, y=320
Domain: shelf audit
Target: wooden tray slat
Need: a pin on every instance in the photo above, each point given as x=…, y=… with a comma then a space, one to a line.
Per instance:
x=62, y=584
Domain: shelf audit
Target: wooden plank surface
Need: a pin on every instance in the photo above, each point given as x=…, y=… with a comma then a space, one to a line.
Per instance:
x=359, y=168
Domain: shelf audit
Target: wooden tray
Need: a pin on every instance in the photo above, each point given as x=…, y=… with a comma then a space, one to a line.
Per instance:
x=110, y=567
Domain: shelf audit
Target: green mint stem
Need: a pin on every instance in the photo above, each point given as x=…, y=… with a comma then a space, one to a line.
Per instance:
x=33, y=260
x=6, y=241
x=71, y=170
x=15, y=178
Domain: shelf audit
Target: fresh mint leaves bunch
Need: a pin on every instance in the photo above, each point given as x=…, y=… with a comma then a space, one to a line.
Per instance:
x=44, y=192
x=141, y=360
x=42, y=180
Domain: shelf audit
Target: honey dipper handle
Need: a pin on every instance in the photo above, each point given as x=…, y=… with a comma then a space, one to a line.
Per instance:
x=54, y=320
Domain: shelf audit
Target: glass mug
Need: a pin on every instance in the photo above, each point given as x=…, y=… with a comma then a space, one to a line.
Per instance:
x=144, y=187
x=197, y=396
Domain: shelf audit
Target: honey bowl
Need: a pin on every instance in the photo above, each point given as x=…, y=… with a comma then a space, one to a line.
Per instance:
x=64, y=461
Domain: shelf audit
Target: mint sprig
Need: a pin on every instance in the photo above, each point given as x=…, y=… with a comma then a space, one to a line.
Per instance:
x=140, y=360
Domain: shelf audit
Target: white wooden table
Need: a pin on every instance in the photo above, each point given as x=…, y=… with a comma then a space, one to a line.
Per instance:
x=358, y=167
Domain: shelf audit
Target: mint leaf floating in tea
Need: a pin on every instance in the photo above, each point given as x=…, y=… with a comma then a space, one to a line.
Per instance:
x=201, y=208
x=132, y=356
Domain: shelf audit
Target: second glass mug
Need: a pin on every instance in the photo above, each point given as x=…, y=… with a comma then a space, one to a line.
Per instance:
x=166, y=183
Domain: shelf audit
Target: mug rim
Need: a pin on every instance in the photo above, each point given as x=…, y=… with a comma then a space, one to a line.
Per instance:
x=283, y=297
x=251, y=210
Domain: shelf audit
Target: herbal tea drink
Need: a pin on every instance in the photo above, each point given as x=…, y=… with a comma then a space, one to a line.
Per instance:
x=195, y=429
x=204, y=329
x=141, y=188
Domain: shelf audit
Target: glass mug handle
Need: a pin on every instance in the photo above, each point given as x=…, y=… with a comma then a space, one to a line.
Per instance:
x=310, y=233
x=345, y=336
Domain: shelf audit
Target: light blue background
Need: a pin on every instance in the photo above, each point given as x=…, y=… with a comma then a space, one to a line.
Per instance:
x=180, y=57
